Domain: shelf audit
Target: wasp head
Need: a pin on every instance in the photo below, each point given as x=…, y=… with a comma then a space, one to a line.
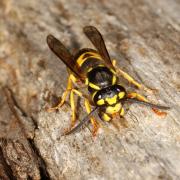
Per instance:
x=110, y=98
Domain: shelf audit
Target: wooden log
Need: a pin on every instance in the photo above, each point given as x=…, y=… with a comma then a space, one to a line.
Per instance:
x=143, y=36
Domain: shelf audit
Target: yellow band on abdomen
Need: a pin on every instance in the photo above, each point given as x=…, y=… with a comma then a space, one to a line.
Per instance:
x=81, y=59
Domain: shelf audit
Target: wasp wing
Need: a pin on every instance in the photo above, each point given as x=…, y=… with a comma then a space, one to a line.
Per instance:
x=97, y=40
x=61, y=51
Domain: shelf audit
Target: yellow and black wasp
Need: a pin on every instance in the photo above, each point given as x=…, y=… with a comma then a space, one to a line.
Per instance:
x=95, y=69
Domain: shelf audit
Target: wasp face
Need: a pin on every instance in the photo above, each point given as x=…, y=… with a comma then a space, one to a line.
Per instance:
x=110, y=98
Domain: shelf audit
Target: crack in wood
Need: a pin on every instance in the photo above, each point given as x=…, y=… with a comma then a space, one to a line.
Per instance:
x=41, y=163
x=6, y=166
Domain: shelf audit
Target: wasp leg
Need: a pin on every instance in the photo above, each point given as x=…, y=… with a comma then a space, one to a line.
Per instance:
x=73, y=109
x=121, y=112
x=65, y=94
x=93, y=120
x=105, y=116
x=77, y=92
x=72, y=103
x=142, y=98
x=137, y=96
x=130, y=79
x=88, y=110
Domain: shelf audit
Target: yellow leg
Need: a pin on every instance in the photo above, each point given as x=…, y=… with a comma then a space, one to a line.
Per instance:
x=137, y=96
x=105, y=116
x=73, y=109
x=142, y=98
x=87, y=105
x=88, y=109
x=65, y=94
x=123, y=121
x=129, y=78
x=72, y=102
x=93, y=121
x=121, y=113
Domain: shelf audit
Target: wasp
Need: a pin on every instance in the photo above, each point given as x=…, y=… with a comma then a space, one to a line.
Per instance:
x=95, y=70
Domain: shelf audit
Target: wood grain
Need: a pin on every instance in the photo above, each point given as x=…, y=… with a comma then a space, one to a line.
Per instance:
x=143, y=36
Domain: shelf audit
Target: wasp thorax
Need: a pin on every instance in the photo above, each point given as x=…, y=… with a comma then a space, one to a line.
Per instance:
x=101, y=77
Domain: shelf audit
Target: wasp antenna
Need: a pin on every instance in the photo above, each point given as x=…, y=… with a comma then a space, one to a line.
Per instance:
x=84, y=121
x=132, y=100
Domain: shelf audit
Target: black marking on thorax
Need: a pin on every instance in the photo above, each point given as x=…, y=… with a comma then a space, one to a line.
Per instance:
x=100, y=76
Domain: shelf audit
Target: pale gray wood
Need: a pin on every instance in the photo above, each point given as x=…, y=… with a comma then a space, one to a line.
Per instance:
x=143, y=36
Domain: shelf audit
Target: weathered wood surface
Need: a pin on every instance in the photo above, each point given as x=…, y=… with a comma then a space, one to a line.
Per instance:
x=144, y=36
